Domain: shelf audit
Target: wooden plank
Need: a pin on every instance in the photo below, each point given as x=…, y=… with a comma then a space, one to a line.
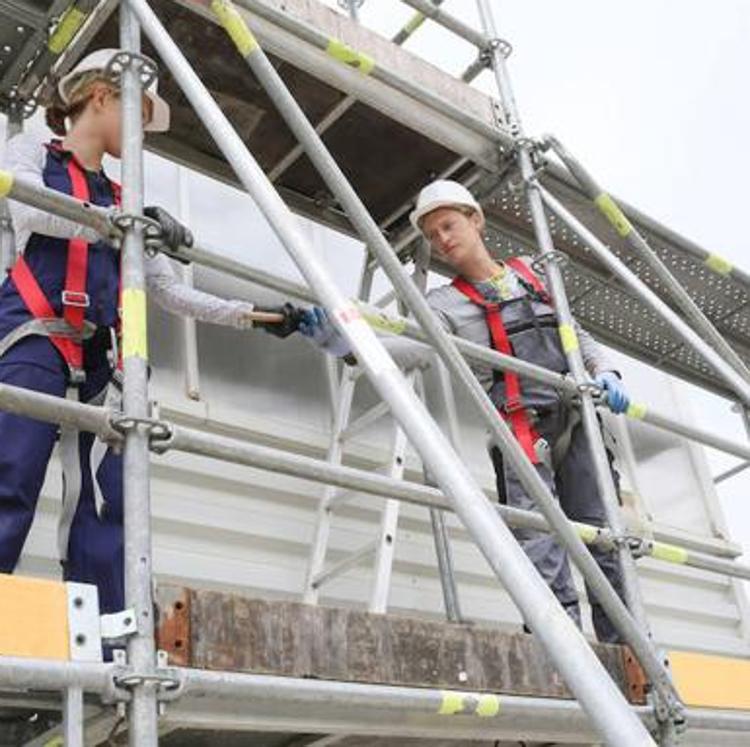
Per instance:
x=34, y=619
x=711, y=681
x=233, y=633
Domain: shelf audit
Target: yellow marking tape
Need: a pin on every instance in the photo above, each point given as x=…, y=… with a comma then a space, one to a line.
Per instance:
x=416, y=21
x=636, y=411
x=587, y=533
x=134, y=333
x=568, y=337
x=64, y=32
x=55, y=742
x=484, y=705
x=384, y=323
x=718, y=264
x=234, y=24
x=350, y=56
x=6, y=183
x=613, y=214
x=669, y=553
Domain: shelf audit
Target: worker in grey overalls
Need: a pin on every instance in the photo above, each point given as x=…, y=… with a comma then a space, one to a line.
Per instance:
x=505, y=306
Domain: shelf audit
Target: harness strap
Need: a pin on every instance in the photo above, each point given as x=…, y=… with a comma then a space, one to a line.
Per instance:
x=515, y=412
x=522, y=269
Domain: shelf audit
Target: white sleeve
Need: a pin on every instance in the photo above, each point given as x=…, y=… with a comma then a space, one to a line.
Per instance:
x=594, y=356
x=24, y=158
x=173, y=295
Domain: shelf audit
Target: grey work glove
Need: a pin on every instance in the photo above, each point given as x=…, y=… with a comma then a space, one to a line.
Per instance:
x=173, y=233
x=292, y=317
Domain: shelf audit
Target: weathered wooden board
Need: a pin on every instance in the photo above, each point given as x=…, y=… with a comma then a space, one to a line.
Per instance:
x=219, y=631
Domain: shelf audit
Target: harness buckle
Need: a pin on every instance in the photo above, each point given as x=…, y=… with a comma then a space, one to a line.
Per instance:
x=76, y=298
x=77, y=376
x=512, y=406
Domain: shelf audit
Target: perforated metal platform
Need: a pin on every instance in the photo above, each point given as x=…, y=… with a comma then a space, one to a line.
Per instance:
x=389, y=145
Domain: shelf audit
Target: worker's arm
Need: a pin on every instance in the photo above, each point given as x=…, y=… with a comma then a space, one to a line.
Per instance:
x=176, y=296
x=406, y=353
x=25, y=157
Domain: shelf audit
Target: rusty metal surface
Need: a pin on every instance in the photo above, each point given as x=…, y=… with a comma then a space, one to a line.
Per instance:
x=636, y=677
x=234, y=633
x=173, y=633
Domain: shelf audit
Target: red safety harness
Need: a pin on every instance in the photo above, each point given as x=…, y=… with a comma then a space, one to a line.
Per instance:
x=514, y=411
x=75, y=300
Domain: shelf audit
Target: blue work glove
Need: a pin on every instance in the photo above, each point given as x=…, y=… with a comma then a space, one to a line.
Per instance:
x=316, y=325
x=617, y=398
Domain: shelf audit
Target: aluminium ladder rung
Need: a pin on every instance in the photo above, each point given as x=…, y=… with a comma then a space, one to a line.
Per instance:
x=365, y=420
x=347, y=562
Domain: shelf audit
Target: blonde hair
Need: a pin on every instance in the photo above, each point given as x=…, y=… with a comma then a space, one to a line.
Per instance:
x=77, y=92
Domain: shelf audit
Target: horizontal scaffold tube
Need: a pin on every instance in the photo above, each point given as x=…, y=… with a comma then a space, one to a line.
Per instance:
x=373, y=68
x=52, y=201
x=101, y=220
x=235, y=451
x=18, y=673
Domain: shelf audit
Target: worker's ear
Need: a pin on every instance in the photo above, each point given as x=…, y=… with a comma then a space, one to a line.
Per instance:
x=478, y=220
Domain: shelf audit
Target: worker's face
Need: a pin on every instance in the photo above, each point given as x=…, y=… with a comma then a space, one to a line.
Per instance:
x=454, y=236
x=105, y=107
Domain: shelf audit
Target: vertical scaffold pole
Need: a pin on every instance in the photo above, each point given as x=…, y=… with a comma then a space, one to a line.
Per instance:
x=142, y=714
x=574, y=659
x=666, y=711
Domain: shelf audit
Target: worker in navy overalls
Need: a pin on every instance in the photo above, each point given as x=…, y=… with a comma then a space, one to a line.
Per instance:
x=505, y=306
x=59, y=326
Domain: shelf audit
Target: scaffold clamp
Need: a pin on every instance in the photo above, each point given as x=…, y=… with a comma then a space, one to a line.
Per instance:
x=148, y=70
x=158, y=430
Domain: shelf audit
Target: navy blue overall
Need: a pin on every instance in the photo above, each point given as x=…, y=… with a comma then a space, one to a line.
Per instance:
x=95, y=545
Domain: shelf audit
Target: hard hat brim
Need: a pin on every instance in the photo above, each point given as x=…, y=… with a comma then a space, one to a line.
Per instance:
x=417, y=214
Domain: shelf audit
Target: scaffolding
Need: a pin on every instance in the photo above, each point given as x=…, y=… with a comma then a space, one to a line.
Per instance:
x=498, y=159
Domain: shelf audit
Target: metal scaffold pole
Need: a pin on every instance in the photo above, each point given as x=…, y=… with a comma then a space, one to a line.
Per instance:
x=568, y=649
x=668, y=707
x=142, y=710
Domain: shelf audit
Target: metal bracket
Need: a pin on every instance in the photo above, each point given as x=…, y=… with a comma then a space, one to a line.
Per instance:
x=501, y=45
x=559, y=258
x=157, y=430
x=83, y=620
x=147, y=69
x=151, y=229
x=118, y=624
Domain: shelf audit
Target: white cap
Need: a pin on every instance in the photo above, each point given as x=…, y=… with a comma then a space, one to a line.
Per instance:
x=99, y=60
x=442, y=193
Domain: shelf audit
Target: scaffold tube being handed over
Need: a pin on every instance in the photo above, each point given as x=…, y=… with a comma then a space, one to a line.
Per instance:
x=59, y=325
x=504, y=305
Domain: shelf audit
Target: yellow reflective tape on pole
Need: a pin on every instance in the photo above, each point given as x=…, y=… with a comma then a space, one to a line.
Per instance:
x=587, y=533
x=718, y=264
x=484, y=705
x=234, y=24
x=350, y=56
x=383, y=322
x=636, y=411
x=613, y=214
x=134, y=332
x=66, y=29
x=6, y=183
x=568, y=338
x=416, y=21
x=55, y=742
x=669, y=553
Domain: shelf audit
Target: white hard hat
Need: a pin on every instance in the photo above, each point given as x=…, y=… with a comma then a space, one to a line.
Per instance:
x=442, y=193
x=99, y=60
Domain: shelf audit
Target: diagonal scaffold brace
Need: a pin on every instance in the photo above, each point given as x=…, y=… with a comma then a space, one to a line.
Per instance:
x=568, y=649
